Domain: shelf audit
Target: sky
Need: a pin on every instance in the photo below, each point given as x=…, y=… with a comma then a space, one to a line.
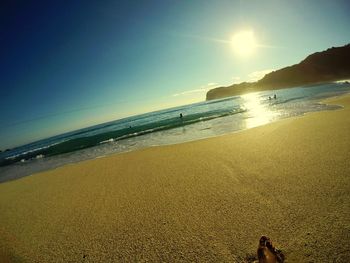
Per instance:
x=66, y=65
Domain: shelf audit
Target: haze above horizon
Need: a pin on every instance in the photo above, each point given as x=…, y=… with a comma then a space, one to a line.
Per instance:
x=69, y=66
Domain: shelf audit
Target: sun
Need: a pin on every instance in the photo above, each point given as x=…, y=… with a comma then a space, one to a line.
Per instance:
x=243, y=43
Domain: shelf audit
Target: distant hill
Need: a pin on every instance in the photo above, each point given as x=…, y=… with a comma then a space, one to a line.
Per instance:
x=326, y=66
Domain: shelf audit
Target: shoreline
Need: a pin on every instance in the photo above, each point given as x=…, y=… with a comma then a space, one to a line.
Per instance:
x=206, y=200
x=323, y=101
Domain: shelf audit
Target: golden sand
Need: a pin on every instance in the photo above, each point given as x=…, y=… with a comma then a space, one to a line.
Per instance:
x=203, y=201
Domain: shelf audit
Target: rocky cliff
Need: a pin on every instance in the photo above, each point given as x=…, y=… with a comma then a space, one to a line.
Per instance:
x=326, y=66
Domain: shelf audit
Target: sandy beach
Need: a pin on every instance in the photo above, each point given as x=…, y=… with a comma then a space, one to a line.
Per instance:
x=203, y=201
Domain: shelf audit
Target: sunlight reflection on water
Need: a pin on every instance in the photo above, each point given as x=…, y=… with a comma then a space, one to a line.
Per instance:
x=258, y=110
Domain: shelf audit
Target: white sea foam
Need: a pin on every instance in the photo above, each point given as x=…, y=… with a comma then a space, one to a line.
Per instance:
x=31, y=151
x=39, y=156
x=107, y=141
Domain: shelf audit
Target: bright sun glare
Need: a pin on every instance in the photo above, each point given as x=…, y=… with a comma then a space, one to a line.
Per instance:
x=244, y=43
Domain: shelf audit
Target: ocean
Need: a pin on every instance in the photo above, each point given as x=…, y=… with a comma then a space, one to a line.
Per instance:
x=199, y=120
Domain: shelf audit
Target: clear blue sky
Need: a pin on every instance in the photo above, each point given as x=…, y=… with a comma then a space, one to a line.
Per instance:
x=71, y=64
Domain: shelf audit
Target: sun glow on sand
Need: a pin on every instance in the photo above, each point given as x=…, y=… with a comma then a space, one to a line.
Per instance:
x=244, y=43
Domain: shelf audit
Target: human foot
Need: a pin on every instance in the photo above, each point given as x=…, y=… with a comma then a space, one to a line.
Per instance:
x=267, y=253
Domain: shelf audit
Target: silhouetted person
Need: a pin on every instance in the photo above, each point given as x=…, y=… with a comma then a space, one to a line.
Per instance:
x=269, y=98
x=181, y=116
x=274, y=96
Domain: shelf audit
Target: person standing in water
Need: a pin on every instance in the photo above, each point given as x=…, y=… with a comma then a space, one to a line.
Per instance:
x=181, y=116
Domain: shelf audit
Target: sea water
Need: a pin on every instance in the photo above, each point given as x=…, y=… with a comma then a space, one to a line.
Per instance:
x=200, y=120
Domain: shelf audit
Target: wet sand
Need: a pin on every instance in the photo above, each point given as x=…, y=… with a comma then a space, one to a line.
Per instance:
x=203, y=201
